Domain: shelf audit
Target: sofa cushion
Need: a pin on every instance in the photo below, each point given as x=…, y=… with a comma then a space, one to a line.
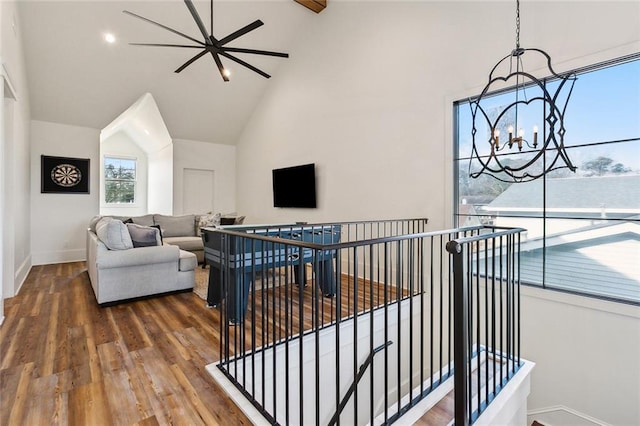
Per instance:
x=114, y=234
x=146, y=220
x=144, y=236
x=176, y=226
x=188, y=261
x=185, y=243
x=93, y=222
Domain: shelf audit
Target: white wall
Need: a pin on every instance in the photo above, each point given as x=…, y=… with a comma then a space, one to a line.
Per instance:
x=367, y=96
x=206, y=156
x=120, y=144
x=160, y=182
x=59, y=221
x=14, y=161
x=586, y=352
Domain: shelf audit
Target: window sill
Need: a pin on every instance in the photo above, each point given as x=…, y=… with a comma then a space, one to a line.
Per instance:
x=583, y=301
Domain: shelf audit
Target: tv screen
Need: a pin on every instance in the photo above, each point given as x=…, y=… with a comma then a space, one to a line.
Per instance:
x=295, y=186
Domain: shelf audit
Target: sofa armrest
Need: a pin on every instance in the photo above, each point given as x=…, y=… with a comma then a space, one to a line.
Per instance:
x=138, y=256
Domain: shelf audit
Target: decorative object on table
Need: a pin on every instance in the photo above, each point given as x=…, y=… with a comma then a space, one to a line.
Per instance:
x=216, y=47
x=64, y=175
x=516, y=158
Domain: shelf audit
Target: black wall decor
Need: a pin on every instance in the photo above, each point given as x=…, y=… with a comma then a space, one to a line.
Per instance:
x=63, y=175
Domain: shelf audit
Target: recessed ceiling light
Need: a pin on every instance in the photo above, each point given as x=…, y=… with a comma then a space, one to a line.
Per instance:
x=109, y=38
x=147, y=132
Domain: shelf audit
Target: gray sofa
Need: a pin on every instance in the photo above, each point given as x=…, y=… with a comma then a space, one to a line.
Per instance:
x=182, y=231
x=119, y=273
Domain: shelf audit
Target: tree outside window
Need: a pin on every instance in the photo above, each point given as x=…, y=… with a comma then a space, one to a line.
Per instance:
x=119, y=180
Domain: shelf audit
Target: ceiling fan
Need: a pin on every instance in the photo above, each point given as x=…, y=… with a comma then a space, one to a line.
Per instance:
x=211, y=44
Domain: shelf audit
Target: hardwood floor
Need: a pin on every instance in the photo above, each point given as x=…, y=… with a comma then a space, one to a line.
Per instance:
x=64, y=360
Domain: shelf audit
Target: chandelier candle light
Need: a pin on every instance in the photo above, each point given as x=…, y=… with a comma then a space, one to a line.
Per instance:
x=537, y=159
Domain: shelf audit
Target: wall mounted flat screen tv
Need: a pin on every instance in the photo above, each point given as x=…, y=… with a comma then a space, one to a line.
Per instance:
x=295, y=186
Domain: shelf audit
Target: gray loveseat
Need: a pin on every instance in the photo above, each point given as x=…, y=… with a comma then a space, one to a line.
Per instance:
x=118, y=271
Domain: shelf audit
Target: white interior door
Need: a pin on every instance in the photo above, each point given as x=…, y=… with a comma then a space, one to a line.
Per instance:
x=197, y=190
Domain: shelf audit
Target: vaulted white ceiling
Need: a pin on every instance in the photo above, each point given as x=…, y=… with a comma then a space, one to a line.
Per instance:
x=76, y=78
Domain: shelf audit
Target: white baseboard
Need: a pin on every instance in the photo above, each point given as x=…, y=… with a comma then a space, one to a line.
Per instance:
x=22, y=272
x=561, y=415
x=59, y=256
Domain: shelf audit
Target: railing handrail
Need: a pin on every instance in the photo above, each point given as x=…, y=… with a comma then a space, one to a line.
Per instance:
x=367, y=362
x=342, y=245
x=453, y=246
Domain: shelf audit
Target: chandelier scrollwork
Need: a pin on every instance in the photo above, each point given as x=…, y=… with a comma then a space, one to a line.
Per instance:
x=535, y=99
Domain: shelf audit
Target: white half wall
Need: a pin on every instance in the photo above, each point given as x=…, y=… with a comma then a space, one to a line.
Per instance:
x=59, y=221
x=221, y=159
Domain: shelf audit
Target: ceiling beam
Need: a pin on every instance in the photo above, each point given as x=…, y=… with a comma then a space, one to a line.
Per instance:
x=315, y=5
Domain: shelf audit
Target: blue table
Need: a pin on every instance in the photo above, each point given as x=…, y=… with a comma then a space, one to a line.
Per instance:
x=248, y=257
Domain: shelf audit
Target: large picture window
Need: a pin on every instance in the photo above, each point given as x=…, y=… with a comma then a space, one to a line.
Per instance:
x=583, y=228
x=119, y=180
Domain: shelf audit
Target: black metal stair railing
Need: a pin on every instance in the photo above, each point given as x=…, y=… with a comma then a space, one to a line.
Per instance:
x=303, y=304
x=486, y=281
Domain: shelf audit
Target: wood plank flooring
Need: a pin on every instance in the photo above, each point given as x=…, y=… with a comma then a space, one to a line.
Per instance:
x=64, y=360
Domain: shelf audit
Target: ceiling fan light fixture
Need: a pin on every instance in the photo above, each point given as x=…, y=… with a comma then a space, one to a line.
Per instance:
x=216, y=47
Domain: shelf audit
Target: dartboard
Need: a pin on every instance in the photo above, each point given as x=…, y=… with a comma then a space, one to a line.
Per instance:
x=66, y=175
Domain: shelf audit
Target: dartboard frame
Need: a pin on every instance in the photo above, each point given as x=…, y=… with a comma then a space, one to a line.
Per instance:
x=64, y=175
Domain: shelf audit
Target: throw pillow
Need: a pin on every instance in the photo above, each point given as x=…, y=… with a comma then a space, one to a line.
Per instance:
x=207, y=220
x=231, y=219
x=144, y=236
x=127, y=221
x=159, y=232
x=114, y=234
x=227, y=221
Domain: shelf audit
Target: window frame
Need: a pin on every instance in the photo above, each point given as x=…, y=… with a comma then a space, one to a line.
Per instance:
x=105, y=157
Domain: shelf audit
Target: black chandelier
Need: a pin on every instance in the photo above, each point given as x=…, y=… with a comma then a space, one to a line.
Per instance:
x=545, y=100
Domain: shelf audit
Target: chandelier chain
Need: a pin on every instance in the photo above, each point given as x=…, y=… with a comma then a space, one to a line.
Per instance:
x=517, y=24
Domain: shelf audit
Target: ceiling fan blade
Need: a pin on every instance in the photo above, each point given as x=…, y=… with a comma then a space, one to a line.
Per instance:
x=242, y=31
x=244, y=64
x=162, y=26
x=192, y=60
x=165, y=45
x=256, y=52
x=199, y=22
x=220, y=66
